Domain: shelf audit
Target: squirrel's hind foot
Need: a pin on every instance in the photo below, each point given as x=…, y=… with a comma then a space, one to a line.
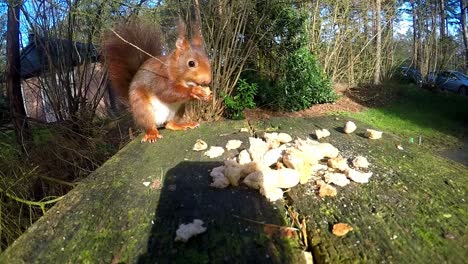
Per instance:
x=151, y=136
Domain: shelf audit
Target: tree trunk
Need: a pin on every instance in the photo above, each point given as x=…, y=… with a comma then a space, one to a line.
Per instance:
x=464, y=7
x=415, y=33
x=378, y=44
x=13, y=77
x=442, y=19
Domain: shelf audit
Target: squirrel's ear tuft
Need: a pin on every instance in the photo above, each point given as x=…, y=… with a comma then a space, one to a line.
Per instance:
x=197, y=38
x=182, y=42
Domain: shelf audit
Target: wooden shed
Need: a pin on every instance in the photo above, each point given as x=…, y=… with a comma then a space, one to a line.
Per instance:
x=50, y=66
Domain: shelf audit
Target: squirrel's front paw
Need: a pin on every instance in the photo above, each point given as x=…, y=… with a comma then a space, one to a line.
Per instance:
x=202, y=93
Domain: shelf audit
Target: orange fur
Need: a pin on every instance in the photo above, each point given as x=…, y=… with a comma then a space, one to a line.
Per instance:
x=157, y=88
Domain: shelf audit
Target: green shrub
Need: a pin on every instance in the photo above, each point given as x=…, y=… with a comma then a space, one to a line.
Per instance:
x=302, y=85
x=243, y=98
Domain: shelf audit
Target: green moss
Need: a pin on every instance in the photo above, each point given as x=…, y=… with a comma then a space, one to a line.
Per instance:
x=326, y=210
x=86, y=256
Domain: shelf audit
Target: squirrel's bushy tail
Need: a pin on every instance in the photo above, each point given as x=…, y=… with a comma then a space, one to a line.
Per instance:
x=121, y=58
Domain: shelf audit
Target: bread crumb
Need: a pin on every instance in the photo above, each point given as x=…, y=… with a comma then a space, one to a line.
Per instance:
x=186, y=231
x=338, y=163
x=244, y=157
x=214, y=152
x=219, y=180
x=357, y=176
x=337, y=179
x=322, y=133
x=257, y=148
x=233, y=144
x=272, y=193
x=373, y=134
x=327, y=190
x=200, y=145
x=349, y=127
x=360, y=162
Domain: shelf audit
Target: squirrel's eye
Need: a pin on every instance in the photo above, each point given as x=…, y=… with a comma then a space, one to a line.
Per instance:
x=191, y=63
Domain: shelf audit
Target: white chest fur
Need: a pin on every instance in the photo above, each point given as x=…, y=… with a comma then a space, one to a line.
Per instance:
x=163, y=112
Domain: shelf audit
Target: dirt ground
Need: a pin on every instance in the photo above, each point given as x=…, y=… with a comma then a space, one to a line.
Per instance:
x=352, y=99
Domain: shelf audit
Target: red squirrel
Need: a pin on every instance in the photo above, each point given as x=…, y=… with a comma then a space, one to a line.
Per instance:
x=156, y=87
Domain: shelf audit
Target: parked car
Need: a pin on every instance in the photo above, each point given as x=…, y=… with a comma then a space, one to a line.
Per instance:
x=452, y=81
x=412, y=75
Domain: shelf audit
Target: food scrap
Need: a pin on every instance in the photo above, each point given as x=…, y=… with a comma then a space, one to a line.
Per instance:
x=349, y=127
x=214, y=152
x=322, y=133
x=276, y=162
x=360, y=162
x=200, y=145
x=341, y=229
x=233, y=144
x=373, y=134
x=186, y=231
x=326, y=189
x=206, y=90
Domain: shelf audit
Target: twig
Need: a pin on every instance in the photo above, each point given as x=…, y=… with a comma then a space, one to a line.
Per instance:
x=136, y=47
x=32, y=203
x=57, y=181
x=263, y=223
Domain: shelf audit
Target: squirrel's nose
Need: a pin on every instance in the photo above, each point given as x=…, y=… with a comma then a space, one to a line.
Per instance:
x=205, y=80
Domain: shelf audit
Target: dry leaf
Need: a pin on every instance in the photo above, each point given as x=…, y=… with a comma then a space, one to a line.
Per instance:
x=156, y=184
x=341, y=229
x=287, y=232
x=281, y=231
x=269, y=230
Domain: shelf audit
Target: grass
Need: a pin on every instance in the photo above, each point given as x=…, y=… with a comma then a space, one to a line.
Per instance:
x=441, y=119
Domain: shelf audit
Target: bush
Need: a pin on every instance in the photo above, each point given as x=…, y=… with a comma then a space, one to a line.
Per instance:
x=243, y=98
x=302, y=85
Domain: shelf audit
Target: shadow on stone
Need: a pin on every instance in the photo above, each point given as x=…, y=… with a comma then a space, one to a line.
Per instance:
x=186, y=195
x=339, y=129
